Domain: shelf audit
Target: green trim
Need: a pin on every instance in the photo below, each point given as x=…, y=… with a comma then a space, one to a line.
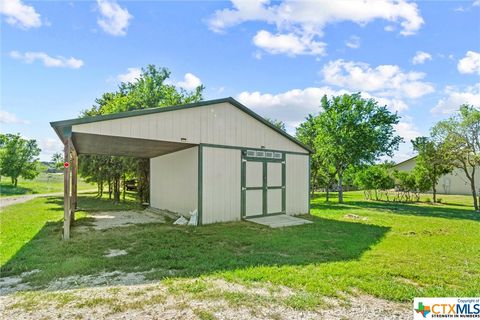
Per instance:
x=309, y=182
x=134, y=113
x=243, y=190
x=200, y=185
x=284, y=186
x=224, y=146
x=254, y=188
x=264, y=186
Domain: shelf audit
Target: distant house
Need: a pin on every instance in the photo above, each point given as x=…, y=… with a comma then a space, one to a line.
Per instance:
x=453, y=183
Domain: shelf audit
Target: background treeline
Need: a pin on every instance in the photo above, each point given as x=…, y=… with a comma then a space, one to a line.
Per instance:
x=350, y=135
x=150, y=90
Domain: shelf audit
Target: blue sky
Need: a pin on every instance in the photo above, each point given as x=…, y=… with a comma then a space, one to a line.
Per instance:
x=421, y=59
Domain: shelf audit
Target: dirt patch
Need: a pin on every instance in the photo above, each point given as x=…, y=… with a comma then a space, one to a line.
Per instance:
x=115, y=253
x=114, y=219
x=355, y=217
x=15, y=283
x=191, y=299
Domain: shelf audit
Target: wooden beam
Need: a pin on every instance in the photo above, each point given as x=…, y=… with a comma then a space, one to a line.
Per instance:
x=66, y=191
x=74, y=165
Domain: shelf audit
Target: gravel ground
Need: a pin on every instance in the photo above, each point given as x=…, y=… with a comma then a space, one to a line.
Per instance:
x=125, y=297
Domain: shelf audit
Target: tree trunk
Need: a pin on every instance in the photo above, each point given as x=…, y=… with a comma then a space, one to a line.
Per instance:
x=327, y=196
x=124, y=187
x=474, y=195
x=15, y=182
x=109, y=189
x=340, y=187
x=434, y=194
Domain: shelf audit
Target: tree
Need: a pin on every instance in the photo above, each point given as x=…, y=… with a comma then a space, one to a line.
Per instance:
x=377, y=178
x=306, y=133
x=277, y=123
x=150, y=90
x=57, y=159
x=432, y=162
x=353, y=131
x=460, y=135
x=18, y=157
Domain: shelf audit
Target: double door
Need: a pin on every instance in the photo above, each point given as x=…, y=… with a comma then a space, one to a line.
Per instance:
x=263, y=183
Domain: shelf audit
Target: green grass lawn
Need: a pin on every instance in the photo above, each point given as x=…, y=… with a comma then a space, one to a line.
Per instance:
x=44, y=183
x=398, y=252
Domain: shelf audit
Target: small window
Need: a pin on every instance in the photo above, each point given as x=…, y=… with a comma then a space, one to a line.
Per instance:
x=261, y=154
x=268, y=154
x=250, y=153
x=277, y=155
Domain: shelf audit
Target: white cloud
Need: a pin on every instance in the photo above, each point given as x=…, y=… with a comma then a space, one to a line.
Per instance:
x=10, y=118
x=353, y=42
x=49, y=146
x=383, y=80
x=289, y=44
x=454, y=98
x=131, y=75
x=20, y=14
x=48, y=61
x=407, y=130
x=420, y=57
x=476, y=3
x=294, y=105
x=307, y=19
x=470, y=63
x=190, y=82
x=114, y=19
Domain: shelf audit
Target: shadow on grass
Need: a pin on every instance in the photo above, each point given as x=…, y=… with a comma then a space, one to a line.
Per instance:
x=11, y=190
x=448, y=211
x=89, y=202
x=189, y=251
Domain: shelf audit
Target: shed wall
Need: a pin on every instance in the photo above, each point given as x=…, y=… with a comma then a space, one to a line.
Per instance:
x=221, y=185
x=174, y=181
x=297, y=184
x=221, y=123
x=452, y=183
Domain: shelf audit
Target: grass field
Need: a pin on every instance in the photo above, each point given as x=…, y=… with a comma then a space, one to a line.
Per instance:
x=44, y=183
x=392, y=251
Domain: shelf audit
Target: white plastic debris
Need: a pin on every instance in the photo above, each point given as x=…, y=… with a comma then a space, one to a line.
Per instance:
x=181, y=221
x=194, y=218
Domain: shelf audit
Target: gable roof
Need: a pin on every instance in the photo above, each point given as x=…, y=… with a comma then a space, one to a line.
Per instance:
x=65, y=125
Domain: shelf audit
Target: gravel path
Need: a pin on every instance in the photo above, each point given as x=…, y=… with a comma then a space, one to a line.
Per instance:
x=8, y=201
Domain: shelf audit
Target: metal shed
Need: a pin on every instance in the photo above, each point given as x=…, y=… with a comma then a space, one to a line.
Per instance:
x=216, y=156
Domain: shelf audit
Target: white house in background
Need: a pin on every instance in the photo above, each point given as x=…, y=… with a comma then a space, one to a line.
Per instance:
x=452, y=183
x=217, y=156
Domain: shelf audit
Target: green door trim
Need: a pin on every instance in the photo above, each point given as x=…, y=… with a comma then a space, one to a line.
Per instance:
x=200, y=185
x=264, y=187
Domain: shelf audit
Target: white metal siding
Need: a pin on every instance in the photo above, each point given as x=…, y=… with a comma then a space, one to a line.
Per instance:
x=220, y=123
x=452, y=183
x=221, y=185
x=296, y=184
x=174, y=181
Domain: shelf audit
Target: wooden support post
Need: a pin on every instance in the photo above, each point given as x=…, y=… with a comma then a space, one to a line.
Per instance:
x=74, y=164
x=66, y=192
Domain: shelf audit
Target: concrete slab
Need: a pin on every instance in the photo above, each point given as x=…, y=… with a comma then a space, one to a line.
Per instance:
x=279, y=221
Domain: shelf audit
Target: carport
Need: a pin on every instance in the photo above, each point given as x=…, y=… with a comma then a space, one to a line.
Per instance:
x=217, y=157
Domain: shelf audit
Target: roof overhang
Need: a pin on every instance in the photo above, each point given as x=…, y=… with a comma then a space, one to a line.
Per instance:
x=115, y=145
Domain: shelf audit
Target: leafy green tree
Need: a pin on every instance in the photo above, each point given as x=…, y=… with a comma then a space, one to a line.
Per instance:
x=57, y=159
x=353, y=131
x=405, y=185
x=432, y=162
x=150, y=90
x=377, y=178
x=277, y=123
x=18, y=157
x=460, y=135
x=306, y=133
